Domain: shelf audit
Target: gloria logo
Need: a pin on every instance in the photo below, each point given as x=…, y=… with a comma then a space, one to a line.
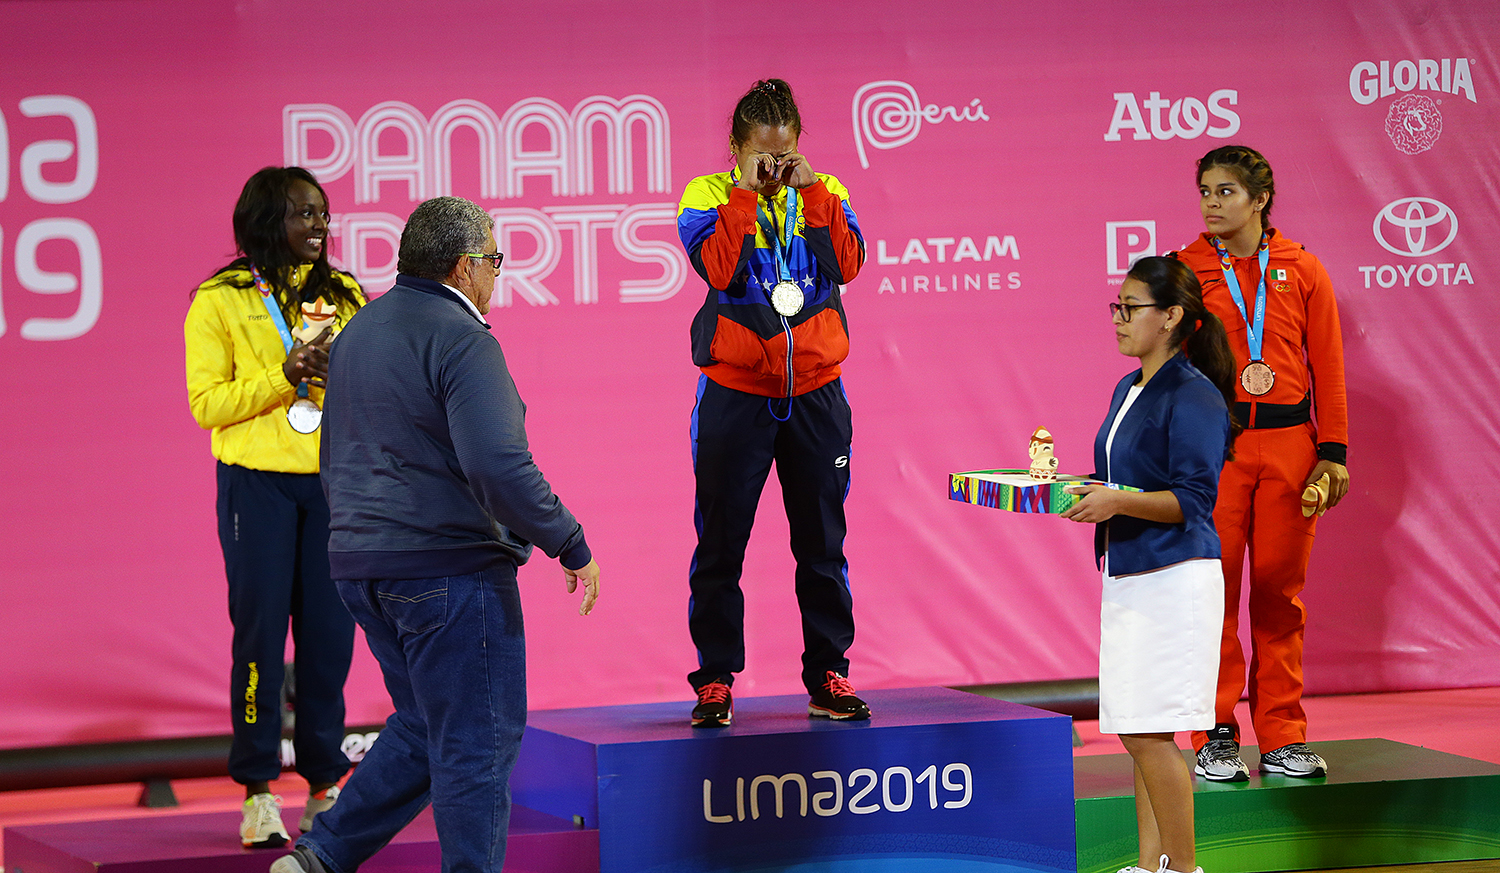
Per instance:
x=1187, y=118
x=1415, y=227
x=1369, y=82
x=1128, y=242
x=1413, y=123
x=888, y=114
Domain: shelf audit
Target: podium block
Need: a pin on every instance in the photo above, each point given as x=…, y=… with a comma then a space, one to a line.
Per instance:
x=1383, y=803
x=937, y=780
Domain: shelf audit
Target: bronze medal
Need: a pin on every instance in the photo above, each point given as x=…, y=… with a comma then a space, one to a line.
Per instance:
x=1257, y=378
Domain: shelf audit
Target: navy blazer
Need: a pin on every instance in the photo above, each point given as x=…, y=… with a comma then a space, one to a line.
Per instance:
x=1175, y=437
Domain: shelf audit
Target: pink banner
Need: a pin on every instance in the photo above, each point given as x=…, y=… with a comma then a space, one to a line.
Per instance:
x=1005, y=166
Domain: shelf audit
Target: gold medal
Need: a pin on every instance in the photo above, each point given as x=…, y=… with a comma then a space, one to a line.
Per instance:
x=786, y=298
x=1257, y=378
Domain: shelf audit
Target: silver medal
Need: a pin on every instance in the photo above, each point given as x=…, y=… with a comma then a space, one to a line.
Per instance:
x=304, y=415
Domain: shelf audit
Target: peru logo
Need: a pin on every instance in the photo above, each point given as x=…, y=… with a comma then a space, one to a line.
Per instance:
x=888, y=114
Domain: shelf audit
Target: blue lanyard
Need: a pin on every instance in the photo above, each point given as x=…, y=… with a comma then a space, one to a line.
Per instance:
x=1254, y=330
x=268, y=297
x=783, y=249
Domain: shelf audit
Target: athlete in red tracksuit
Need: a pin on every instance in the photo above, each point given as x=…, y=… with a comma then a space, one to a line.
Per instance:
x=1291, y=401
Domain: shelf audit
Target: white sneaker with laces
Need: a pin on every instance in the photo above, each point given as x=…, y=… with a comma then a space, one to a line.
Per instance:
x=1294, y=759
x=262, y=827
x=315, y=805
x=1165, y=869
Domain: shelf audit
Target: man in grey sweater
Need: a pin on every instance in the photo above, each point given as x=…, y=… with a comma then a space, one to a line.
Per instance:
x=435, y=501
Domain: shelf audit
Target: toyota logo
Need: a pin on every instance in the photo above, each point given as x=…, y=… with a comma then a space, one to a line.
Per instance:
x=1412, y=226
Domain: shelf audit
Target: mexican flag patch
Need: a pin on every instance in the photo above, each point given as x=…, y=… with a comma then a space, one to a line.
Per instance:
x=1278, y=275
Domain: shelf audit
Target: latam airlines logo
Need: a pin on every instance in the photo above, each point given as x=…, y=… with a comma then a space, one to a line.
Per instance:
x=888, y=114
x=1185, y=118
x=1413, y=121
x=1416, y=227
x=1412, y=227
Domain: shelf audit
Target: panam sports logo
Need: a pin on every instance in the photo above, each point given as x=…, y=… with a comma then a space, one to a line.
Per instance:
x=888, y=114
x=1412, y=121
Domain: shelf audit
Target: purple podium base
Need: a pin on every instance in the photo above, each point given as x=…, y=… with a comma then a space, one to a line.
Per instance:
x=205, y=843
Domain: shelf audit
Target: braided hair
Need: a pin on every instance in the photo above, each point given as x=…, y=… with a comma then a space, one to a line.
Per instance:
x=768, y=102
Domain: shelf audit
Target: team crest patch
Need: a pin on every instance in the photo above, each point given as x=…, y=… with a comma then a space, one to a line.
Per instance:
x=1282, y=287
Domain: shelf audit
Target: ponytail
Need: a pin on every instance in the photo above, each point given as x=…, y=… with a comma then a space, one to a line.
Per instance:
x=1200, y=334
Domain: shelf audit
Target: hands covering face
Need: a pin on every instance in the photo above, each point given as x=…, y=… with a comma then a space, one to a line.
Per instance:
x=765, y=174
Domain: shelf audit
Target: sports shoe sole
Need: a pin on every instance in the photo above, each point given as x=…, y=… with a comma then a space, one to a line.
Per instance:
x=819, y=712
x=274, y=841
x=713, y=722
x=1239, y=775
x=1282, y=771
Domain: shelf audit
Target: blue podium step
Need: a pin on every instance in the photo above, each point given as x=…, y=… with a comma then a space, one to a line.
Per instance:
x=936, y=780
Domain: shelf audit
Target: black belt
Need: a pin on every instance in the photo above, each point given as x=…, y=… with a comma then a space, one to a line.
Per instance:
x=1269, y=415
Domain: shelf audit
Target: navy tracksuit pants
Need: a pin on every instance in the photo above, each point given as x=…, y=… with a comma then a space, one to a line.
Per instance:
x=736, y=437
x=273, y=528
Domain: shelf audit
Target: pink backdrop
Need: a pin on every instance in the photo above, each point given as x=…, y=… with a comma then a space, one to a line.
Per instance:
x=1005, y=164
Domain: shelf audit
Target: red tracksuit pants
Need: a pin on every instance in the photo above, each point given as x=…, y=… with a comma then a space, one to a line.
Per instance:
x=1260, y=513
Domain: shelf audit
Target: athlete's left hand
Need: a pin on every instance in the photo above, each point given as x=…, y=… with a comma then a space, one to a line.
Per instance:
x=795, y=172
x=1338, y=481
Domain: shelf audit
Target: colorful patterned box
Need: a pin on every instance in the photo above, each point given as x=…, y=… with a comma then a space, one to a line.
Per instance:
x=1015, y=491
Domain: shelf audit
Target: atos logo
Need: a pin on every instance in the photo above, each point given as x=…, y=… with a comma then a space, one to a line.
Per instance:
x=1187, y=118
x=1128, y=242
x=1415, y=227
x=888, y=114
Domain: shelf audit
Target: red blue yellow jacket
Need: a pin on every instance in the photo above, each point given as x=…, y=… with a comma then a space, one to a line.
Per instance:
x=739, y=340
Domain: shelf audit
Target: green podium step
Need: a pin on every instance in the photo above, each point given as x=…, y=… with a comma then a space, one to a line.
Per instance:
x=1382, y=803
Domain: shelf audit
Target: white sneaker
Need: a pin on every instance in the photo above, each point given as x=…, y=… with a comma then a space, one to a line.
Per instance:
x=1165, y=869
x=262, y=827
x=315, y=805
x=1294, y=759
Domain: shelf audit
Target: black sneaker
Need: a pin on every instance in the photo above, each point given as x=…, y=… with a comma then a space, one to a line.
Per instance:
x=1294, y=759
x=836, y=700
x=715, y=706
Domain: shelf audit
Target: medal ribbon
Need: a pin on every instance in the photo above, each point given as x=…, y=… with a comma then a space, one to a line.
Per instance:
x=1254, y=329
x=268, y=297
x=767, y=222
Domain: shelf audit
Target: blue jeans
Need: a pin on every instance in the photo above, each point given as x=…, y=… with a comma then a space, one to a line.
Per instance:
x=453, y=655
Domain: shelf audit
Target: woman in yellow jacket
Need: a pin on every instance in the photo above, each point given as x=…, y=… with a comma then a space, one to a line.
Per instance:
x=257, y=337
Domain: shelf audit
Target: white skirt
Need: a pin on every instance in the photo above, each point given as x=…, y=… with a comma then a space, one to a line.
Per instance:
x=1159, y=648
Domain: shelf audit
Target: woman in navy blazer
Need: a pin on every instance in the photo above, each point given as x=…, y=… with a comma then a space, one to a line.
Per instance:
x=1168, y=433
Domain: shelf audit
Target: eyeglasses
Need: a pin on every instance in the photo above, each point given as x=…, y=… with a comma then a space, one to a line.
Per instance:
x=1126, y=311
x=495, y=260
